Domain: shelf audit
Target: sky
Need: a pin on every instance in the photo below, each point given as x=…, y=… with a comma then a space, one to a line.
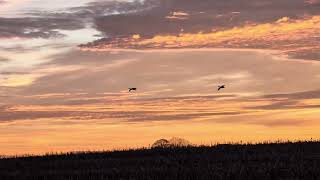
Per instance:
x=65, y=70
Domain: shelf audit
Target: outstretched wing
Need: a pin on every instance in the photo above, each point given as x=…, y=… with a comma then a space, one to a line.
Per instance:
x=221, y=87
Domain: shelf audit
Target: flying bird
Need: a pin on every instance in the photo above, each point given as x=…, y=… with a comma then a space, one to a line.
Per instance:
x=221, y=87
x=132, y=89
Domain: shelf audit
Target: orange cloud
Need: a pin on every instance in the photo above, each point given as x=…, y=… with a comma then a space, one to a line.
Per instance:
x=180, y=15
x=283, y=20
x=20, y=80
x=281, y=30
x=284, y=34
x=136, y=36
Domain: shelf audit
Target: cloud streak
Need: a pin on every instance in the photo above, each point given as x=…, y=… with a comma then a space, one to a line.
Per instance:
x=285, y=35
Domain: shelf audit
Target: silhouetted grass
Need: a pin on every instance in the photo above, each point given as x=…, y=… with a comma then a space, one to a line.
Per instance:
x=298, y=160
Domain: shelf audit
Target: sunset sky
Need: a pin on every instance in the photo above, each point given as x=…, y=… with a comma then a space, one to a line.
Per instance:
x=66, y=66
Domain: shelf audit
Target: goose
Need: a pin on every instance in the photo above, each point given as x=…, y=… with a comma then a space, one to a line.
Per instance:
x=132, y=89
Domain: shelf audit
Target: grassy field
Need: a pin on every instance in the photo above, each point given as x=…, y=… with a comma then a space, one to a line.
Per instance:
x=298, y=160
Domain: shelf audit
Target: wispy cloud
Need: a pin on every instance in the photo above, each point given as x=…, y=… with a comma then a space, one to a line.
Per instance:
x=93, y=87
x=258, y=110
x=36, y=27
x=2, y=60
x=47, y=23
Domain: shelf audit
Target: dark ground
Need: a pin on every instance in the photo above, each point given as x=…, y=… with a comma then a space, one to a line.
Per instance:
x=299, y=160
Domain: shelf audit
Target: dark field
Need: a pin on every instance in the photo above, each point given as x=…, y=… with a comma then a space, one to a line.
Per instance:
x=299, y=160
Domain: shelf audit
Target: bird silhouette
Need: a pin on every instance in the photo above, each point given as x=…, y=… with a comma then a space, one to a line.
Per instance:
x=132, y=89
x=221, y=87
